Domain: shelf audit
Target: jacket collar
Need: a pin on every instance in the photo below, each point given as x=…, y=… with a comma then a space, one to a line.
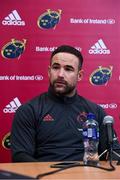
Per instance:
x=61, y=99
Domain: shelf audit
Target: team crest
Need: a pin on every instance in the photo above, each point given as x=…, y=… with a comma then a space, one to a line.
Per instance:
x=81, y=118
x=13, y=49
x=101, y=76
x=49, y=19
x=6, y=141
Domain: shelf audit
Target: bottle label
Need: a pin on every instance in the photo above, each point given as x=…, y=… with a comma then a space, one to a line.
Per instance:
x=91, y=133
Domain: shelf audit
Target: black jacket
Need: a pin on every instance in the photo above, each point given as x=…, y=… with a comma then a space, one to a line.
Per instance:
x=49, y=128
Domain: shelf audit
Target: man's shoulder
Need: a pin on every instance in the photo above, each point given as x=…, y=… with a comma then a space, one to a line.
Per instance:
x=91, y=106
x=88, y=102
x=34, y=102
x=38, y=98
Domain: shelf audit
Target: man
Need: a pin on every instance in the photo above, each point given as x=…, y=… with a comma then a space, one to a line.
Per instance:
x=49, y=127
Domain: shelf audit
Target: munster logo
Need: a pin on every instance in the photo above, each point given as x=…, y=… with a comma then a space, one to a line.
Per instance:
x=49, y=19
x=101, y=76
x=6, y=141
x=13, y=49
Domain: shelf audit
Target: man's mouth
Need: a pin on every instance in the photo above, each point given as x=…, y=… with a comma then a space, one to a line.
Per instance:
x=60, y=82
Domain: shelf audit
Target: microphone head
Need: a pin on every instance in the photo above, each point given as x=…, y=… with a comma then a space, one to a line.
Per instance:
x=108, y=120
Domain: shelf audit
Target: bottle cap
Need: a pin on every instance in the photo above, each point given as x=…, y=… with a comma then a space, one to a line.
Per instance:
x=91, y=116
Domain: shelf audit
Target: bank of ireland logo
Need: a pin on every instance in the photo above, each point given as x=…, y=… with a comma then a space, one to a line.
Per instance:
x=13, y=49
x=49, y=19
x=101, y=76
x=99, y=48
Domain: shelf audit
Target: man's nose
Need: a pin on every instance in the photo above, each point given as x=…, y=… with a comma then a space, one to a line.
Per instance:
x=61, y=72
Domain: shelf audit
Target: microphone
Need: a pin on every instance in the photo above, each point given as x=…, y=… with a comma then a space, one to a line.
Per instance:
x=108, y=122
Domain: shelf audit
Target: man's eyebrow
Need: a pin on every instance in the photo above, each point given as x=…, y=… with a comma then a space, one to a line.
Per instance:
x=69, y=66
x=66, y=66
x=55, y=63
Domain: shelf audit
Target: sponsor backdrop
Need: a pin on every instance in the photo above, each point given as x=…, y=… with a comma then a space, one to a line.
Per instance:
x=31, y=30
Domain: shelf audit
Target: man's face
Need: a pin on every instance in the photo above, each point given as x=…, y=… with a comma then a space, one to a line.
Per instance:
x=64, y=73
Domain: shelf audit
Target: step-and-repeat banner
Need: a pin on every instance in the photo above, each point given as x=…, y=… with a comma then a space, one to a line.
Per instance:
x=31, y=29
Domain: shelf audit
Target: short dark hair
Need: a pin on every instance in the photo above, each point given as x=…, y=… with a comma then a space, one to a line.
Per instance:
x=71, y=50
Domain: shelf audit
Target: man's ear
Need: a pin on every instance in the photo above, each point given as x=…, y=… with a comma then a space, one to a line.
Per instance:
x=48, y=71
x=80, y=75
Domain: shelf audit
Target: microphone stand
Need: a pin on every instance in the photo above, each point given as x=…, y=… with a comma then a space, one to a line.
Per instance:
x=110, y=152
x=111, y=138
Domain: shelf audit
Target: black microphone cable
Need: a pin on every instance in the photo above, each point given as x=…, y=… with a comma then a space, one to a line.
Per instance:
x=75, y=164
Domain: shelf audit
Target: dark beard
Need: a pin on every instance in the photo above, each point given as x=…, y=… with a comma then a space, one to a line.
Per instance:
x=67, y=90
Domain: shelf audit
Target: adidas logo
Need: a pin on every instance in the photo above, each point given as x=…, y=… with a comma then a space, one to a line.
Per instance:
x=99, y=48
x=12, y=106
x=13, y=19
x=48, y=118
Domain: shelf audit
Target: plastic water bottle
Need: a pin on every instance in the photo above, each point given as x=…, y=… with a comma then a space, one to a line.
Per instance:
x=91, y=140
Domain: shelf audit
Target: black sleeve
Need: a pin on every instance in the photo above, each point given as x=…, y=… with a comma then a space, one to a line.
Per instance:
x=23, y=135
x=116, y=147
x=23, y=157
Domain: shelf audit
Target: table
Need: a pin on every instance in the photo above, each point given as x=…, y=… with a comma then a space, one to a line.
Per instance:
x=81, y=172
